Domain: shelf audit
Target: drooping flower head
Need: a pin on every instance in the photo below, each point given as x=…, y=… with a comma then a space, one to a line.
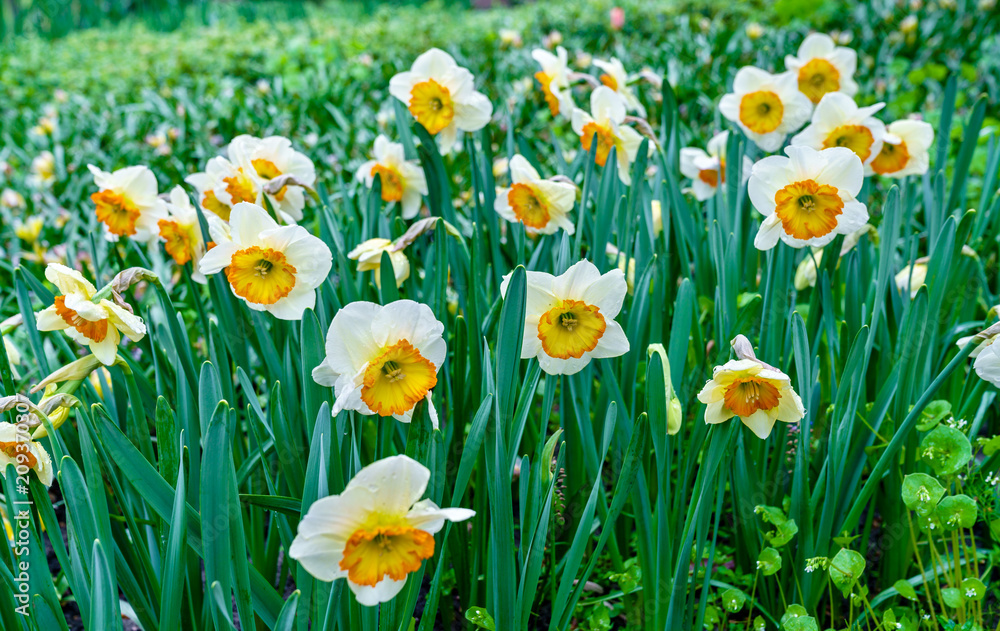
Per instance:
x=906, y=150
x=17, y=448
x=543, y=206
x=273, y=163
x=441, y=95
x=554, y=79
x=97, y=325
x=757, y=393
x=181, y=234
x=127, y=202
x=823, y=67
x=707, y=170
x=839, y=122
x=605, y=126
x=570, y=319
x=376, y=533
x=614, y=76
x=807, y=198
x=369, y=257
x=383, y=359
x=402, y=180
x=767, y=107
x=270, y=267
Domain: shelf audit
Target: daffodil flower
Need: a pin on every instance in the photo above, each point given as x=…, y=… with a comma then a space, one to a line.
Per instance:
x=97, y=325
x=223, y=185
x=766, y=106
x=807, y=198
x=270, y=267
x=43, y=170
x=570, y=319
x=376, y=533
x=383, y=359
x=369, y=257
x=605, y=124
x=839, y=122
x=554, y=79
x=441, y=96
x=912, y=277
x=986, y=354
x=707, y=170
x=750, y=389
x=822, y=67
x=17, y=448
x=402, y=180
x=543, y=206
x=267, y=160
x=906, y=150
x=127, y=202
x=181, y=234
x=615, y=77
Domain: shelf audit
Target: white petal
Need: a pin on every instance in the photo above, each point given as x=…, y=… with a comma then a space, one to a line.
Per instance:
x=395, y=483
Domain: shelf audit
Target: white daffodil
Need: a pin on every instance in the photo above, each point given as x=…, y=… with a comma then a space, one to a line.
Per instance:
x=839, y=122
x=441, y=95
x=807, y=198
x=223, y=185
x=13, y=356
x=543, y=206
x=383, y=360
x=606, y=122
x=554, y=79
x=272, y=268
x=986, y=354
x=181, y=233
x=369, y=257
x=766, y=106
x=274, y=163
x=823, y=67
x=615, y=77
x=906, y=150
x=912, y=277
x=402, y=180
x=97, y=325
x=707, y=170
x=375, y=533
x=127, y=202
x=805, y=274
x=17, y=448
x=750, y=389
x=570, y=319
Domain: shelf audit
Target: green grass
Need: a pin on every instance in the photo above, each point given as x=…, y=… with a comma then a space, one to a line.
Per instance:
x=210, y=439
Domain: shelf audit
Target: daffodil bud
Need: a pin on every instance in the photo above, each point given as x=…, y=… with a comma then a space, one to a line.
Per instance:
x=56, y=405
x=675, y=414
x=72, y=372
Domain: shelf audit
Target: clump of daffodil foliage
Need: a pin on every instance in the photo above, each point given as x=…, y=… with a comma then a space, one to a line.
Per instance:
x=571, y=315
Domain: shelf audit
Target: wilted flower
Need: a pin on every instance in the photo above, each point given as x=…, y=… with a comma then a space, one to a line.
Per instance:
x=181, y=233
x=615, y=77
x=543, y=206
x=275, y=165
x=270, y=267
x=757, y=393
x=906, y=150
x=606, y=125
x=375, y=533
x=839, y=122
x=807, y=198
x=823, y=67
x=17, y=448
x=441, y=96
x=98, y=325
x=369, y=257
x=127, y=202
x=383, y=360
x=402, y=180
x=570, y=319
x=708, y=170
x=554, y=79
x=767, y=107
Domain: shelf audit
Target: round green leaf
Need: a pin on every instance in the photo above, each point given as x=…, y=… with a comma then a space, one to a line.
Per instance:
x=733, y=600
x=946, y=450
x=957, y=510
x=973, y=589
x=934, y=413
x=769, y=561
x=921, y=493
x=845, y=570
x=952, y=597
x=905, y=589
